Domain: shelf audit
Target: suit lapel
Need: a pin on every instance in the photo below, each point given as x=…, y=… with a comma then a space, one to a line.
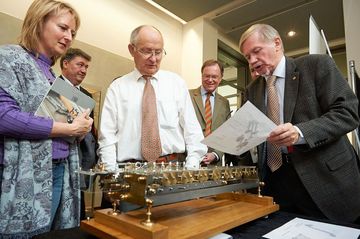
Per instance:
x=217, y=108
x=291, y=89
x=199, y=103
x=259, y=97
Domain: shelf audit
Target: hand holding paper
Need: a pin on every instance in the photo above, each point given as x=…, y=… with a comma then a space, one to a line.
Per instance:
x=248, y=128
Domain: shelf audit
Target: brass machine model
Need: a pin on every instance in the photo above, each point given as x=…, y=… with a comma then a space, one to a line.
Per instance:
x=221, y=201
x=151, y=184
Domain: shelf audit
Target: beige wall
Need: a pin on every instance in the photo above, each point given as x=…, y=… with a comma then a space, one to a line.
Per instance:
x=104, y=34
x=107, y=25
x=340, y=60
x=200, y=41
x=105, y=66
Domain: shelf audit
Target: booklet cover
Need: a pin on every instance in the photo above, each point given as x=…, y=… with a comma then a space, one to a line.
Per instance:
x=63, y=103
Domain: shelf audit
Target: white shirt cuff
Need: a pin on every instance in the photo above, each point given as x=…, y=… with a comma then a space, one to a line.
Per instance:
x=192, y=163
x=301, y=139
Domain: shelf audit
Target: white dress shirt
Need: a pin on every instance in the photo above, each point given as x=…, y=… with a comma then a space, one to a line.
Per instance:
x=68, y=81
x=120, y=128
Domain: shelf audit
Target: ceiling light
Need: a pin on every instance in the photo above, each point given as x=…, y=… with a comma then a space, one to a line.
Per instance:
x=291, y=33
x=166, y=11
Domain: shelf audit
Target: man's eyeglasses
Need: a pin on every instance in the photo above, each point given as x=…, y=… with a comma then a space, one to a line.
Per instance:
x=147, y=53
x=215, y=77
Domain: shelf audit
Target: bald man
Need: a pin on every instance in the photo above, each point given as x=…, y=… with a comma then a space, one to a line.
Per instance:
x=121, y=120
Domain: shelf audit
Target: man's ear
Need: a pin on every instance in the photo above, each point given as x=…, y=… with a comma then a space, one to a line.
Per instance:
x=278, y=43
x=65, y=64
x=131, y=49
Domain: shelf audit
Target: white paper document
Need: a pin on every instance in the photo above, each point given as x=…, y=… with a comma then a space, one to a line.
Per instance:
x=248, y=128
x=306, y=229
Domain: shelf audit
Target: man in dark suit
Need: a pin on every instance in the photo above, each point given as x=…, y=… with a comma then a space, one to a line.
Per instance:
x=212, y=72
x=318, y=174
x=74, y=65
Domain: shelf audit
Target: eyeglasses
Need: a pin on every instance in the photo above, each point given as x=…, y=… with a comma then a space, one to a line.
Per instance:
x=147, y=53
x=214, y=77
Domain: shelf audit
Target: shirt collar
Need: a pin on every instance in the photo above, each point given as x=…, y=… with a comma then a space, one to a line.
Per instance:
x=138, y=75
x=280, y=68
x=68, y=81
x=204, y=92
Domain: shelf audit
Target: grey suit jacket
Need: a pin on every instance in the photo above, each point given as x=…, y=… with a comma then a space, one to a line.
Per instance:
x=320, y=102
x=89, y=145
x=221, y=112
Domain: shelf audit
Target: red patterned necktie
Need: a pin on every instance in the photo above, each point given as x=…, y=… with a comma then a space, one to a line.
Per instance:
x=208, y=114
x=274, y=160
x=150, y=138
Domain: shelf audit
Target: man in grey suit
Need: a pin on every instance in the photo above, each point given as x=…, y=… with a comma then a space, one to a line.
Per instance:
x=74, y=65
x=319, y=171
x=212, y=72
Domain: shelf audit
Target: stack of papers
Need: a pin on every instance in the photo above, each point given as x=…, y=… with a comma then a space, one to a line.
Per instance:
x=306, y=229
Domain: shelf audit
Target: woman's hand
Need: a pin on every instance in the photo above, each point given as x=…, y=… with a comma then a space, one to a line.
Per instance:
x=82, y=124
x=78, y=128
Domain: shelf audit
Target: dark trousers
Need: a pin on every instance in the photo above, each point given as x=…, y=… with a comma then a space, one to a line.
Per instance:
x=285, y=186
x=82, y=206
x=239, y=160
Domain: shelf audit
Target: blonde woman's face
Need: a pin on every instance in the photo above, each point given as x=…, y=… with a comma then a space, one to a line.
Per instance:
x=57, y=34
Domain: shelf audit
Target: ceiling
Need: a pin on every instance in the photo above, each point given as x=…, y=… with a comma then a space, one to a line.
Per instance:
x=233, y=17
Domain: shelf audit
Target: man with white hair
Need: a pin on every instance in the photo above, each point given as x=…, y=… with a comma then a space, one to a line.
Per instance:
x=307, y=162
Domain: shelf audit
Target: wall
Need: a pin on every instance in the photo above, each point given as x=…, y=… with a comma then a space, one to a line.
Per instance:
x=340, y=60
x=104, y=67
x=210, y=42
x=200, y=41
x=352, y=34
x=351, y=10
x=107, y=25
x=104, y=34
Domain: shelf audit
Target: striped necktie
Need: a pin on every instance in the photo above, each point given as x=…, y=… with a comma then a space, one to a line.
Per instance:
x=274, y=159
x=208, y=114
x=150, y=137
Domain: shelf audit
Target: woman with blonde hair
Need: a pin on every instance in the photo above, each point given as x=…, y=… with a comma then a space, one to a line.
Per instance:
x=39, y=183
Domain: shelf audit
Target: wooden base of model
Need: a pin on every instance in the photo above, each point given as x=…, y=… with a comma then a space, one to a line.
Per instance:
x=200, y=218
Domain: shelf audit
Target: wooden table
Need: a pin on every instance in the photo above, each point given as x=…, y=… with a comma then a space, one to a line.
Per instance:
x=200, y=218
